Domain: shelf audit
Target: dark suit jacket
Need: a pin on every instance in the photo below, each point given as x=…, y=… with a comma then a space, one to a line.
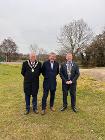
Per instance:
x=74, y=73
x=50, y=75
x=31, y=79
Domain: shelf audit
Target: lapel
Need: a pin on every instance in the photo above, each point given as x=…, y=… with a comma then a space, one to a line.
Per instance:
x=65, y=67
x=72, y=66
x=54, y=65
x=49, y=64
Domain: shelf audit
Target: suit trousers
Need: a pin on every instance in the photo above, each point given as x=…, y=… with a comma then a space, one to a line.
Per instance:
x=44, y=98
x=34, y=102
x=72, y=90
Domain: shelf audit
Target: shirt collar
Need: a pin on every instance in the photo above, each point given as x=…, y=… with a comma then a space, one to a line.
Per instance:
x=52, y=62
x=32, y=63
x=69, y=62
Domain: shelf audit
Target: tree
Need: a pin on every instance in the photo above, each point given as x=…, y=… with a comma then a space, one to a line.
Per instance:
x=8, y=48
x=74, y=36
x=95, y=53
x=2, y=57
x=34, y=48
x=41, y=52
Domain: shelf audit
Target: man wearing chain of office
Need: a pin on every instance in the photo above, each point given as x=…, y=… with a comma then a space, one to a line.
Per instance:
x=31, y=70
x=69, y=73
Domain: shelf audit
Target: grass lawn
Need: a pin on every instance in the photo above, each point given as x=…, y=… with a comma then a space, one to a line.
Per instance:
x=87, y=124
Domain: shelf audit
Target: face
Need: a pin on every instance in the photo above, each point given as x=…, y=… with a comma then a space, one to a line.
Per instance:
x=69, y=57
x=32, y=57
x=52, y=57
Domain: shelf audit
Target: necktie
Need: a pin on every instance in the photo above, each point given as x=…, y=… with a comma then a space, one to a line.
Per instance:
x=52, y=65
x=69, y=69
x=69, y=65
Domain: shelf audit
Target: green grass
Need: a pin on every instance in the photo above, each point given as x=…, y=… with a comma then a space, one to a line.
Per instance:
x=87, y=124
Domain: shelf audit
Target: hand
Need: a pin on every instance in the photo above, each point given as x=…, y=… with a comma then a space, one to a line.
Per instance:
x=69, y=82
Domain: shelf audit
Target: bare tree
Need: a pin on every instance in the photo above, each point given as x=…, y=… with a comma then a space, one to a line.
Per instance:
x=34, y=48
x=41, y=52
x=74, y=36
x=8, y=48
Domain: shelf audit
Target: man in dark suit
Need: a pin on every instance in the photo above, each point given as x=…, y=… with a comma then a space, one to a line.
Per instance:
x=31, y=70
x=69, y=73
x=50, y=70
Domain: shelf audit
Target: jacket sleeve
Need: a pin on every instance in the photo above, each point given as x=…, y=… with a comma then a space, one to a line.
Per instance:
x=77, y=73
x=40, y=68
x=62, y=75
x=23, y=70
x=43, y=69
x=57, y=68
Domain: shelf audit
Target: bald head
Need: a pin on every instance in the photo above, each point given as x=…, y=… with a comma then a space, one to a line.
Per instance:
x=32, y=56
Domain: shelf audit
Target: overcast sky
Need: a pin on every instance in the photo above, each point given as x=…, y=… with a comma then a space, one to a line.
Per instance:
x=39, y=21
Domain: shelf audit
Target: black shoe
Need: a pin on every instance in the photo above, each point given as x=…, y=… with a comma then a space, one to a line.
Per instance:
x=74, y=109
x=27, y=112
x=35, y=111
x=63, y=108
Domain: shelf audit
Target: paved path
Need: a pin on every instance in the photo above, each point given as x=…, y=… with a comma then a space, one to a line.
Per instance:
x=97, y=73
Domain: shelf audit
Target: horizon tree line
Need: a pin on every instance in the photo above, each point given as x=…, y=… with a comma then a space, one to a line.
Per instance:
x=76, y=37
